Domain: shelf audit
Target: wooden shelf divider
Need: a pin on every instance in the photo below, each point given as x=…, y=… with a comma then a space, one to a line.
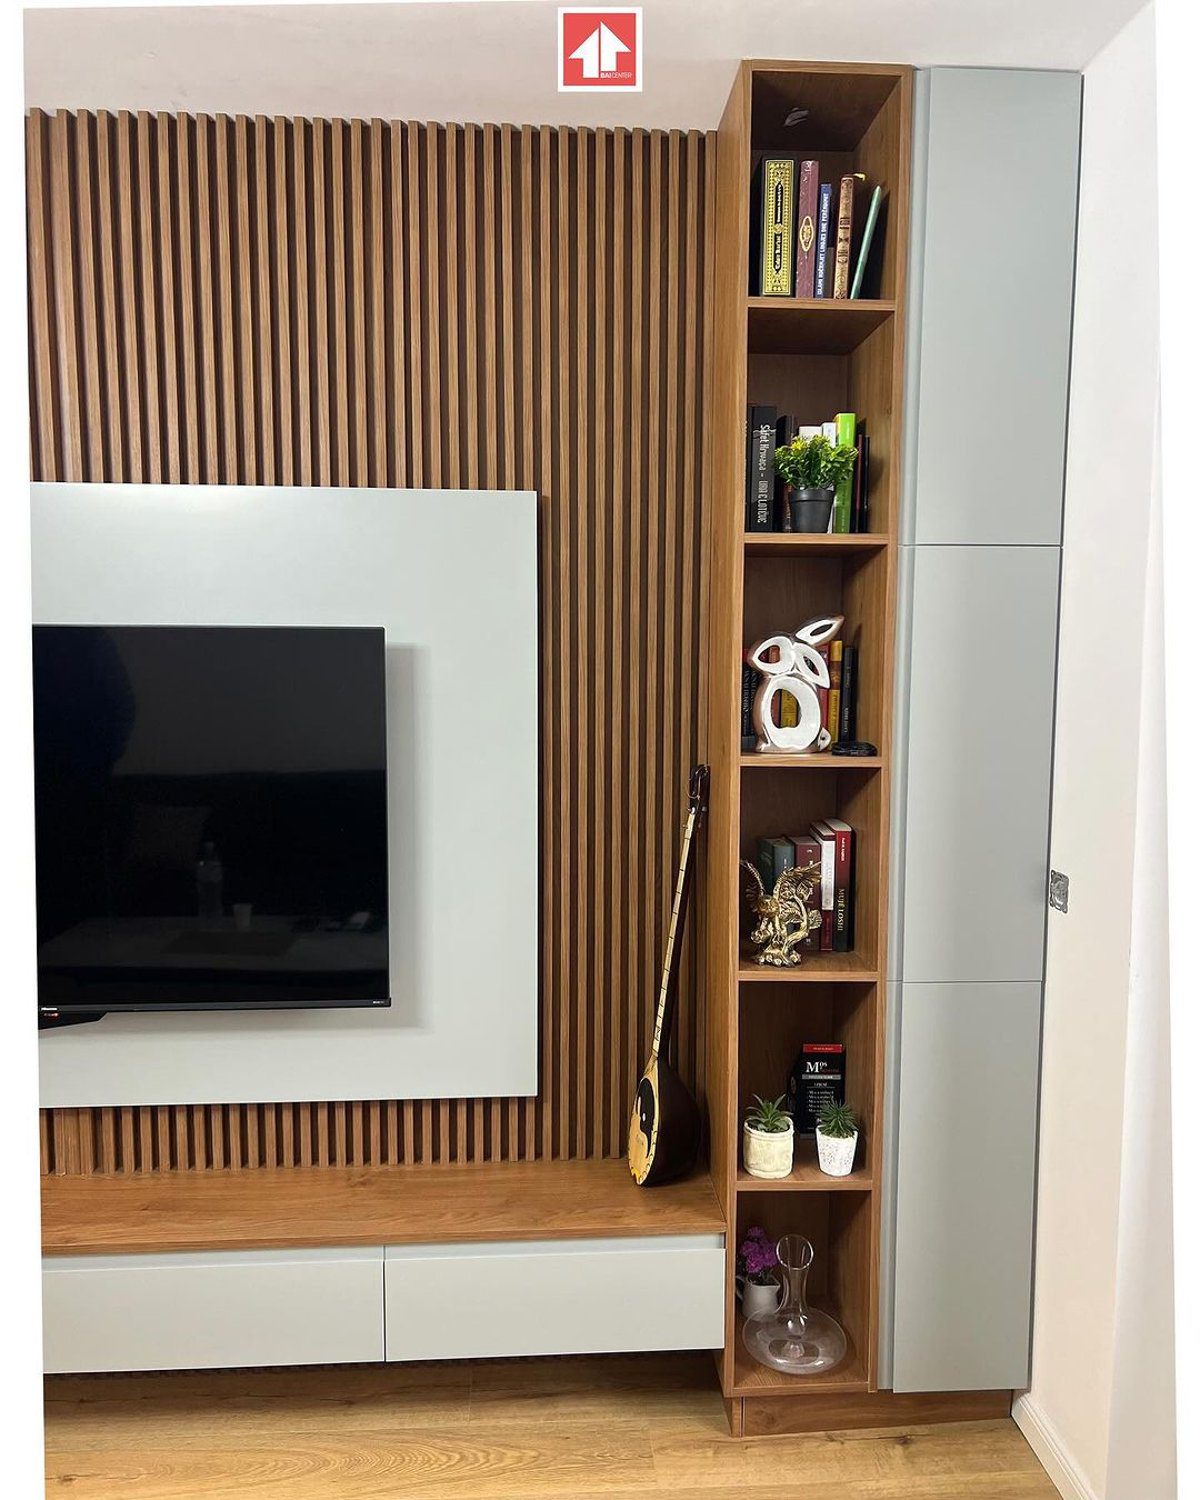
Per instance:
x=810, y=358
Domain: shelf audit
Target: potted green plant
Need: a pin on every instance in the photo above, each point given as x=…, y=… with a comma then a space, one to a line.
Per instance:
x=837, y=1138
x=812, y=468
x=768, y=1137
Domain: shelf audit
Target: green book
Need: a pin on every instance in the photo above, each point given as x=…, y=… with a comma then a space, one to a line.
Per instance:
x=868, y=234
x=846, y=424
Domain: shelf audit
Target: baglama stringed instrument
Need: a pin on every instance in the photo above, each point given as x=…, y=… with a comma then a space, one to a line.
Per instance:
x=664, y=1128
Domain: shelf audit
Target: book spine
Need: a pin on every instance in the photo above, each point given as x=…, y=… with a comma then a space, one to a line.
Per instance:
x=864, y=484
x=843, y=839
x=785, y=431
x=777, y=201
x=845, y=424
x=828, y=854
x=856, y=497
x=749, y=737
x=848, y=709
x=823, y=692
x=868, y=234
x=789, y=711
x=807, y=209
x=821, y=277
x=808, y=852
x=762, y=468
x=749, y=466
x=833, y=707
x=845, y=232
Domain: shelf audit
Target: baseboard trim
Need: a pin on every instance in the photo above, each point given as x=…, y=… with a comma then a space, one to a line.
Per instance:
x=770, y=1416
x=1050, y=1450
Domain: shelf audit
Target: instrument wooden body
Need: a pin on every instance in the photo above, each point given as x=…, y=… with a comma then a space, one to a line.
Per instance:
x=664, y=1127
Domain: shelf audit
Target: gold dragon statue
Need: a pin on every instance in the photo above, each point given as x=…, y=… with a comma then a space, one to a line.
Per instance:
x=783, y=918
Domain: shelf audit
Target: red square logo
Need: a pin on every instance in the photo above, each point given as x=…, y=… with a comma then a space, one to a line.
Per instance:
x=599, y=50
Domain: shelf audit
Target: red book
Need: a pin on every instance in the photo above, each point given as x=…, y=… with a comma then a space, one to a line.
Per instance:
x=842, y=837
x=806, y=228
x=808, y=852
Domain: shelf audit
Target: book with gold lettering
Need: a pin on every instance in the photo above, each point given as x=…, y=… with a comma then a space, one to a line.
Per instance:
x=773, y=228
x=848, y=192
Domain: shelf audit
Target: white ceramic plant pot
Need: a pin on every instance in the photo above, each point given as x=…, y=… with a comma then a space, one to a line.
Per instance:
x=767, y=1153
x=757, y=1300
x=835, y=1153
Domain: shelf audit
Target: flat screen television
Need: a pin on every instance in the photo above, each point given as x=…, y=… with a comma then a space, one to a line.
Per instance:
x=211, y=817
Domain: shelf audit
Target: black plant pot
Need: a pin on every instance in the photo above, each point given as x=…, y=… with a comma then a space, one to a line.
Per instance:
x=810, y=509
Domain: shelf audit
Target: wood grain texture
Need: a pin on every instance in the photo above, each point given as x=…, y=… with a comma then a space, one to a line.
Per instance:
x=227, y=300
x=631, y=1425
x=90, y=1214
x=809, y=359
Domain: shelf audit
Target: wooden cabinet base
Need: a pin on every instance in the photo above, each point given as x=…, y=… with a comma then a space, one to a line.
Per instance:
x=779, y=1415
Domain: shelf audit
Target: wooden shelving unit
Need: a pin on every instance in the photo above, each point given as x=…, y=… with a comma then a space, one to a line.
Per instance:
x=810, y=358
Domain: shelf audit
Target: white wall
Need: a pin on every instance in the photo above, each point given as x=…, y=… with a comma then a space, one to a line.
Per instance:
x=496, y=61
x=1098, y=1190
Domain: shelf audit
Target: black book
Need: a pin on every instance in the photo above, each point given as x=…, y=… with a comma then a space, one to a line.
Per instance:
x=761, y=468
x=848, y=702
x=785, y=431
x=862, y=480
x=749, y=688
x=818, y=1078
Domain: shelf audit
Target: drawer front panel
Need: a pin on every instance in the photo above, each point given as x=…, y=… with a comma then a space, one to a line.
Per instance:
x=555, y=1297
x=166, y=1312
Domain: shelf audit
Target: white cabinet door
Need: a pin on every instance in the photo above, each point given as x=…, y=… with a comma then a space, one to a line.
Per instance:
x=964, y=1186
x=992, y=287
x=206, y=1311
x=980, y=735
x=555, y=1297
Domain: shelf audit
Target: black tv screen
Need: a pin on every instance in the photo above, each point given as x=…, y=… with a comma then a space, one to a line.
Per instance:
x=211, y=814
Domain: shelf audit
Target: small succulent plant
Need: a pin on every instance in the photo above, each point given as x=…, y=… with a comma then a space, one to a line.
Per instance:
x=769, y=1115
x=837, y=1121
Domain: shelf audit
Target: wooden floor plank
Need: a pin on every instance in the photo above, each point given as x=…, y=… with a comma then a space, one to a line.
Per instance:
x=625, y=1426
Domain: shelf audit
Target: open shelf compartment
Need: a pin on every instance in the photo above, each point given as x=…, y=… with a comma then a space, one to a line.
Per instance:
x=839, y=1228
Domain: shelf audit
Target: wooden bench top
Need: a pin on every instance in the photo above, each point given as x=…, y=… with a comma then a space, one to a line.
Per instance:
x=314, y=1207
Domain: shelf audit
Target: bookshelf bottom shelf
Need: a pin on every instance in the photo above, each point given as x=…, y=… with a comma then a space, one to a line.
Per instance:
x=752, y=1379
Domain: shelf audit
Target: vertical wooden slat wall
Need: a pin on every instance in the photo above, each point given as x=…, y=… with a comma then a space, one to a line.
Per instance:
x=219, y=300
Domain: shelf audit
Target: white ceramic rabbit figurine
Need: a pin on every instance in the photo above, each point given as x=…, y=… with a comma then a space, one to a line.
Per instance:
x=798, y=669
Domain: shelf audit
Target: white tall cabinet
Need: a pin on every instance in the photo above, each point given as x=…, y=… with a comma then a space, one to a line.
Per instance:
x=996, y=164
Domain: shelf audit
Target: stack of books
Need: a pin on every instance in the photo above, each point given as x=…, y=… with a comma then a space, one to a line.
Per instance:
x=810, y=238
x=766, y=494
x=829, y=844
x=839, y=701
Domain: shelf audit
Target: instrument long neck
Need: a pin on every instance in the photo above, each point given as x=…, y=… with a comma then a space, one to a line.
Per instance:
x=669, y=988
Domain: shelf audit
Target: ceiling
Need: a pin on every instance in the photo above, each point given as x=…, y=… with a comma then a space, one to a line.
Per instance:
x=496, y=60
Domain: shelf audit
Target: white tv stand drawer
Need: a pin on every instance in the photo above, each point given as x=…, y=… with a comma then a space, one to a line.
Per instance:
x=208, y=1310
x=588, y=1296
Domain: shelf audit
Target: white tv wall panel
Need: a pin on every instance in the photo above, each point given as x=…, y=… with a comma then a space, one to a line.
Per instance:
x=451, y=575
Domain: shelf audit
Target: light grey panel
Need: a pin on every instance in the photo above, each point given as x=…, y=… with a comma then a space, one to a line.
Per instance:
x=980, y=730
x=994, y=304
x=451, y=576
x=209, y=1311
x=965, y=1186
x=595, y=1296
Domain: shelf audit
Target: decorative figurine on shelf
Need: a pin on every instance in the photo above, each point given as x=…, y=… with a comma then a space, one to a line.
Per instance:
x=784, y=918
x=798, y=668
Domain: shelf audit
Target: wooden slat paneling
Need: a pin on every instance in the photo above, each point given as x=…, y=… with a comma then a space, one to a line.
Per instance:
x=226, y=300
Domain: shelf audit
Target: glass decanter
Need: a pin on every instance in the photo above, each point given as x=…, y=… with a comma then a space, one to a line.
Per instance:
x=796, y=1338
